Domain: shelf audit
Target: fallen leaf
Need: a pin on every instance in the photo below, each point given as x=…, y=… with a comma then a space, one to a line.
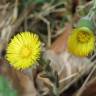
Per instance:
x=60, y=43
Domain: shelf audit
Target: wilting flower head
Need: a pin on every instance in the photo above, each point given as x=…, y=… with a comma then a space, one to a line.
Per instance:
x=24, y=50
x=81, y=42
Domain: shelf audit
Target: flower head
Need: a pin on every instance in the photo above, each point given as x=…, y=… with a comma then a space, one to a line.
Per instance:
x=81, y=42
x=24, y=50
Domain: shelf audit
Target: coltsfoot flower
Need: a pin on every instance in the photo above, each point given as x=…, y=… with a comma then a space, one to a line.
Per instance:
x=81, y=42
x=24, y=50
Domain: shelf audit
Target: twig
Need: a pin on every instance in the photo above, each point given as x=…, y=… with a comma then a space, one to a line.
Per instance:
x=86, y=81
x=4, y=6
x=58, y=32
x=69, y=77
x=23, y=15
x=78, y=77
x=81, y=7
x=48, y=28
x=59, y=10
x=47, y=11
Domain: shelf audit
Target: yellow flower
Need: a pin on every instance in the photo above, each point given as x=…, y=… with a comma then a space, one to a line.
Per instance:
x=24, y=50
x=81, y=42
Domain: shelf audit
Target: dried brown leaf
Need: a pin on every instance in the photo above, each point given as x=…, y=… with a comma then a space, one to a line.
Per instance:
x=60, y=43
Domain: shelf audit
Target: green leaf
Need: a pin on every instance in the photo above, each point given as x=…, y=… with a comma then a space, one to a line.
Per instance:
x=39, y=1
x=26, y=2
x=5, y=88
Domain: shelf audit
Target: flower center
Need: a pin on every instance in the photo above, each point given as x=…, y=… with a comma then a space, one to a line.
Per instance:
x=83, y=36
x=25, y=53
